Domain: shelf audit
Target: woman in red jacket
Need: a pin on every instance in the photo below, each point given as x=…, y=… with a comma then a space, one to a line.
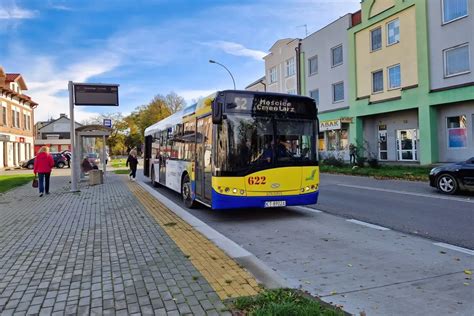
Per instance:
x=44, y=162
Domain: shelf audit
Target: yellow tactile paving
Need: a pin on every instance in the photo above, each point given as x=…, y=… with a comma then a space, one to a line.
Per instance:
x=225, y=276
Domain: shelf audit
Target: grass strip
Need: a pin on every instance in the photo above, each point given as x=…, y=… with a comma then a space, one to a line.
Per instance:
x=8, y=182
x=286, y=302
x=118, y=163
x=383, y=172
x=121, y=171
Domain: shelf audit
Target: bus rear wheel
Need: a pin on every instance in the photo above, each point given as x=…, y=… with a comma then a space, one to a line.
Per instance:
x=186, y=192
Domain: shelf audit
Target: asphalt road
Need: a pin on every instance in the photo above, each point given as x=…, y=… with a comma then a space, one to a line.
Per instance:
x=381, y=272
x=404, y=206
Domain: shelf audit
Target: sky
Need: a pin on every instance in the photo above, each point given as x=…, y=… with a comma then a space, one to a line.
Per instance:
x=148, y=47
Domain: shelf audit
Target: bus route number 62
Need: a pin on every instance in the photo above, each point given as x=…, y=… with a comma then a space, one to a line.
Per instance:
x=257, y=180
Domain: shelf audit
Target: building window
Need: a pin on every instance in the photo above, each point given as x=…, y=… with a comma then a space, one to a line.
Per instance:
x=17, y=119
x=457, y=131
x=273, y=75
x=454, y=9
x=313, y=65
x=456, y=60
x=315, y=95
x=338, y=92
x=13, y=118
x=393, y=32
x=336, y=53
x=394, y=75
x=377, y=81
x=24, y=121
x=291, y=91
x=4, y=114
x=290, y=67
x=376, y=39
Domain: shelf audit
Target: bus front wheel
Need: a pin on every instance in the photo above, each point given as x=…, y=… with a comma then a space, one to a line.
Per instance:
x=186, y=192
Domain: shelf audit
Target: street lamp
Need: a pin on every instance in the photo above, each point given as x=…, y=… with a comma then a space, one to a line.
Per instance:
x=215, y=62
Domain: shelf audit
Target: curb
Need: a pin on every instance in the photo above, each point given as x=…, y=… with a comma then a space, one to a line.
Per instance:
x=249, y=261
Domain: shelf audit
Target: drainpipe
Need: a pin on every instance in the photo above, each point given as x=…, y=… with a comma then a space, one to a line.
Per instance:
x=264, y=85
x=298, y=81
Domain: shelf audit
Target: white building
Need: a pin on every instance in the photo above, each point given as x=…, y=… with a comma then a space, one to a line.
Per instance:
x=281, y=69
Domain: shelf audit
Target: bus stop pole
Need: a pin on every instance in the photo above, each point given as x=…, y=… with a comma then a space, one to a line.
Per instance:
x=73, y=139
x=104, y=156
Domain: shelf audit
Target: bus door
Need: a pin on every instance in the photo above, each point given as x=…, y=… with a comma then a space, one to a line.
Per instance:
x=147, y=155
x=204, y=159
x=163, y=158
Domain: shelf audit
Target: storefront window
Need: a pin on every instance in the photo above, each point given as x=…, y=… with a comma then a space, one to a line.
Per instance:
x=321, y=144
x=457, y=131
x=343, y=139
x=332, y=140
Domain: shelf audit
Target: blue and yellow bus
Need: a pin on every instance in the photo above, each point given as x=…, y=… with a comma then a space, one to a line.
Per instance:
x=238, y=149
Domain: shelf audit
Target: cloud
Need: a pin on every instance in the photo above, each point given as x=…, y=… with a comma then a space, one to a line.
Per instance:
x=15, y=13
x=237, y=49
x=48, y=83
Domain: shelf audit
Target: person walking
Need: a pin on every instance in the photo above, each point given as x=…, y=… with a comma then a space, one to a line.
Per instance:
x=352, y=153
x=133, y=162
x=44, y=162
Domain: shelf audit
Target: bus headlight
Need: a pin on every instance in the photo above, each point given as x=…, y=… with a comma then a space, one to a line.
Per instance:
x=227, y=189
x=242, y=192
x=302, y=189
x=235, y=191
x=306, y=189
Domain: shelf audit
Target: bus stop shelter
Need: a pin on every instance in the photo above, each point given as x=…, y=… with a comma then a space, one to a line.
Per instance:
x=83, y=147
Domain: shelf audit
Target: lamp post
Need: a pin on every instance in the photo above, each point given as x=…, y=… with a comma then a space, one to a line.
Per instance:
x=215, y=62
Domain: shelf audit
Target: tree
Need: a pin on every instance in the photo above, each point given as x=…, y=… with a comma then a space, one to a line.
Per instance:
x=174, y=102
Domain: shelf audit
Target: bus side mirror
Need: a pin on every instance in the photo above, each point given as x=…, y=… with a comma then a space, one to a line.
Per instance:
x=217, y=112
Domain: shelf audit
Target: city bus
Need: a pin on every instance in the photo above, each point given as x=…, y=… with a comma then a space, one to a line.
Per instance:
x=238, y=149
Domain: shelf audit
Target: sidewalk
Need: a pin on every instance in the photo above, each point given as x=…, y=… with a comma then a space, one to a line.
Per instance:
x=109, y=249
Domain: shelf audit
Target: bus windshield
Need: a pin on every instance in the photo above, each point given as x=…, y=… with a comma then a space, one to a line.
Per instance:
x=247, y=143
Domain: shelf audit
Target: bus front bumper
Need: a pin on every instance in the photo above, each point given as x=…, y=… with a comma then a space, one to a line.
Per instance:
x=221, y=201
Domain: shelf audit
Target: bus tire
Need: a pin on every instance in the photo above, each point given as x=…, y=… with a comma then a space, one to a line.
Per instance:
x=186, y=192
x=153, y=181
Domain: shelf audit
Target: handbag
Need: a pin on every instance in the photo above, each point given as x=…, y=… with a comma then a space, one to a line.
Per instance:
x=35, y=183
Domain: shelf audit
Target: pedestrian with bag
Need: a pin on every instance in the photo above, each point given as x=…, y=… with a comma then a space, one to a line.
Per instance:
x=43, y=165
x=132, y=160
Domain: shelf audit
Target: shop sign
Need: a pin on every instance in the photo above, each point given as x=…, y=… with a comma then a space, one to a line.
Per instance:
x=21, y=139
x=329, y=125
x=346, y=119
x=4, y=138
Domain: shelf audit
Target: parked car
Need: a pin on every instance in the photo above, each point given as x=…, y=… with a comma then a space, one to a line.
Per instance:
x=59, y=161
x=454, y=177
x=93, y=158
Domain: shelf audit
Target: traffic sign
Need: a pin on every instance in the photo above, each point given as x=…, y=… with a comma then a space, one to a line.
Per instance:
x=107, y=122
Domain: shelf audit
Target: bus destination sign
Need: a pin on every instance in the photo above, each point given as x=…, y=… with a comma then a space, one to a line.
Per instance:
x=266, y=105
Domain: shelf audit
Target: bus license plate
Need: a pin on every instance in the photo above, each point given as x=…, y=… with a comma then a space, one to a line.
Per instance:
x=275, y=203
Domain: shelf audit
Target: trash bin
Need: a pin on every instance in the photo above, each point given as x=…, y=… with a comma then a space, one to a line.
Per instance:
x=96, y=177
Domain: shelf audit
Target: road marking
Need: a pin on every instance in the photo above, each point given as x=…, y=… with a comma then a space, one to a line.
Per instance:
x=407, y=193
x=308, y=209
x=367, y=224
x=455, y=248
